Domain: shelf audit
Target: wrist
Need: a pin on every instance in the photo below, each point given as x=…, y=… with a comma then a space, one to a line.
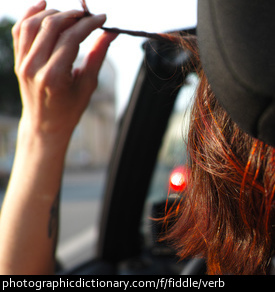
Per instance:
x=38, y=164
x=43, y=139
x=40, y=150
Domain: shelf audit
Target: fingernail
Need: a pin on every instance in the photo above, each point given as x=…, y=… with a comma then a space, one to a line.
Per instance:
x=101, y=17
x=40, y=4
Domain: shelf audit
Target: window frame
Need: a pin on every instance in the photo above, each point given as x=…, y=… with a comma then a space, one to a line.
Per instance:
x=134, y=157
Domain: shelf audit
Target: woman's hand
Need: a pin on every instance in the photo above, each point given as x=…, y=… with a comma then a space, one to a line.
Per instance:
x=46, y=43
x=54, y=96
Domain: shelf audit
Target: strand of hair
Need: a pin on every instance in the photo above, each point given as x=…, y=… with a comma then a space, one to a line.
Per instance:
x=156, y=36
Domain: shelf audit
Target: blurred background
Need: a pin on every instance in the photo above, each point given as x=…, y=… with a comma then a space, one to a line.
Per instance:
x=93, y=139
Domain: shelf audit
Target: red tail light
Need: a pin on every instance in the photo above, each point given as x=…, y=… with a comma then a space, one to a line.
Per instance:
x=179, y=178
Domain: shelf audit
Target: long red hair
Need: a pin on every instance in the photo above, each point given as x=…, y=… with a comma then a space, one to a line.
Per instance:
x=226, y=214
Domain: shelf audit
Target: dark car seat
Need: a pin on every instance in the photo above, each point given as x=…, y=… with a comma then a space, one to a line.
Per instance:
x=237, y=49
x=237, y=45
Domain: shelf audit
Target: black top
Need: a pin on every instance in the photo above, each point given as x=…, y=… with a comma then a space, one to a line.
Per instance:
x=237, y=48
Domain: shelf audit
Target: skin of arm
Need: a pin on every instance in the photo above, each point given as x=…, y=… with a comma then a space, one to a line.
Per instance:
x=46, y=43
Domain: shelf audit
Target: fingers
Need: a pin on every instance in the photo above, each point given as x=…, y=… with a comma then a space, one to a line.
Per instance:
x=86, y=75
x=28, y=32
x=51, y=37
x=17, y=27
x=67, y=47
x=52, y=25
x=95, y=58
x=47, y=43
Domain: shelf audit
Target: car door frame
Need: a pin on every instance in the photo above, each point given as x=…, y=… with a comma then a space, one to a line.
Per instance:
x=160, y=78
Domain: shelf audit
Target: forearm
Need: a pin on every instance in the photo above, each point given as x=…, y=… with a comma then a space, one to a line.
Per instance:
x=29, y=217
x=54, y=96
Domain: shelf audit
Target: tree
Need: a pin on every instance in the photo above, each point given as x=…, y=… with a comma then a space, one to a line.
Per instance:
x=10, y=102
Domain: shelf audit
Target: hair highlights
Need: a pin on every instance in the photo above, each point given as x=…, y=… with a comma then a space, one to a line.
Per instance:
x=226, y=214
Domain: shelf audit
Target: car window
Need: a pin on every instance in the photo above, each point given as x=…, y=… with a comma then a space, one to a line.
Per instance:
x=85, y=173
x=168, y=179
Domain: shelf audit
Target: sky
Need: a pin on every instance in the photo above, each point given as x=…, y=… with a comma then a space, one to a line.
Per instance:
x=125, y=53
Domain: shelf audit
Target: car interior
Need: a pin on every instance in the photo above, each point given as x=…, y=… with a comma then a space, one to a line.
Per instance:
x=146, y=175
x=149, y=146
